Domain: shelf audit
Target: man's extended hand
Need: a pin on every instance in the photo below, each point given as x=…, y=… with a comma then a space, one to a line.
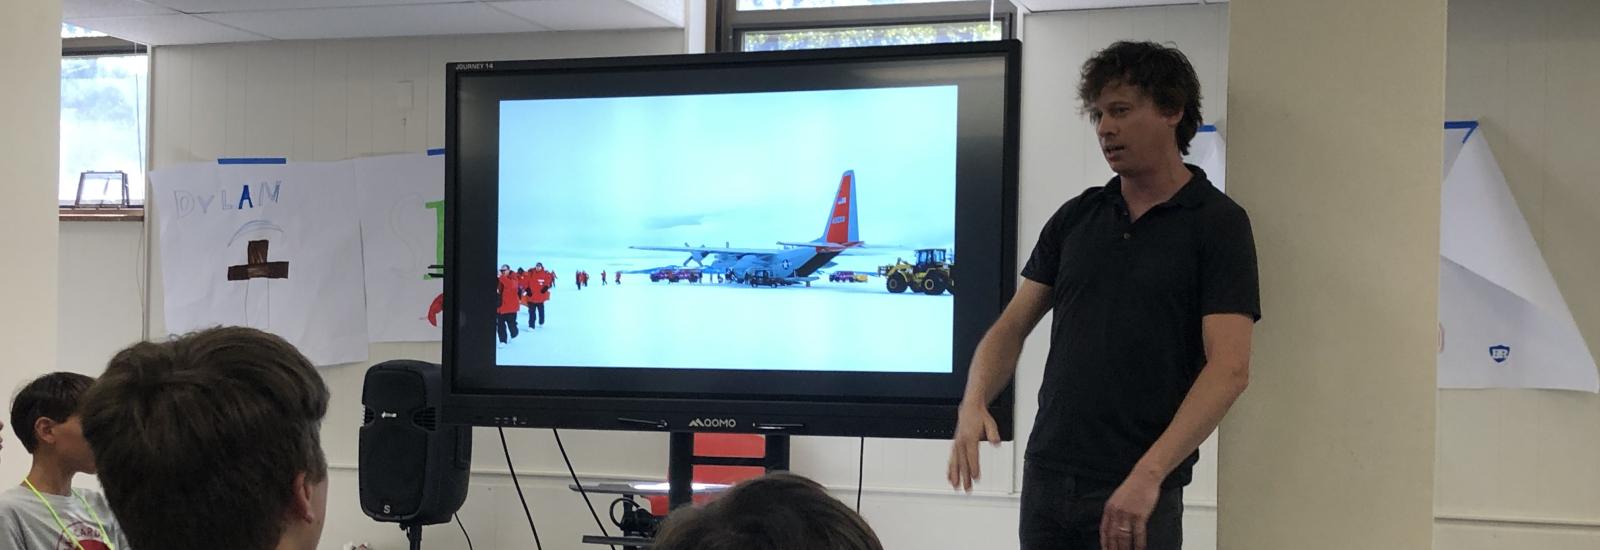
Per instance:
x=1127, y=514
x=973, y=425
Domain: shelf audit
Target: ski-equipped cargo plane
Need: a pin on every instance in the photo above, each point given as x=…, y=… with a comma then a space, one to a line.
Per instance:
x=797, y=262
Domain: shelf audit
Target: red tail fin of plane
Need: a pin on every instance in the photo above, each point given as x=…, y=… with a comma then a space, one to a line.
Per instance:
x=841, y=227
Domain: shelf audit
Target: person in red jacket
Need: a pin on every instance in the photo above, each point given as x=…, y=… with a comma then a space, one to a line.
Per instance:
x=602, y=277
x=539, y=283
x=510, y=302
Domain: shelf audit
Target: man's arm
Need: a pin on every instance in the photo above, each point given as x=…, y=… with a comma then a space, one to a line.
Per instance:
x=993, y=364
x=1225, y=376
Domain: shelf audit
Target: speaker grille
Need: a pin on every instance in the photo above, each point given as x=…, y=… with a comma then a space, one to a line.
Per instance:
x=427, y=419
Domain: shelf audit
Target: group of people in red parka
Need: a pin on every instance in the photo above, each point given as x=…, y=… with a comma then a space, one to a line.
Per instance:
x=523, y=287
x=529, y=288
x=581, y=278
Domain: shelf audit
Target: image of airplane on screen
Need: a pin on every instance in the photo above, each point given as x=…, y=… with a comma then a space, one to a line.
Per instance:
x=796, y=262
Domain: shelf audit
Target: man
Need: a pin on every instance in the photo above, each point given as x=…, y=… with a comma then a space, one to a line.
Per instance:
x=1152, y=280
x=779, y=511
x=510, y=291
x=539, y=283
x=44, y=511
x=211, y=441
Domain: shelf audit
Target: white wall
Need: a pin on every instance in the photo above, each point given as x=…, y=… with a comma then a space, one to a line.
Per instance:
x=101, y=281
x=29, y=103
x=1519, y=468
x=1335, y=149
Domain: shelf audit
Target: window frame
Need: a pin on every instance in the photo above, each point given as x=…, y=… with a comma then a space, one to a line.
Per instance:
x=730, y=24
x=104, y=46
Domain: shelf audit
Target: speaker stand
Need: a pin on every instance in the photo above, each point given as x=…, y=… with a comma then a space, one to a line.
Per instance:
x=681, y=462
x=413, y=534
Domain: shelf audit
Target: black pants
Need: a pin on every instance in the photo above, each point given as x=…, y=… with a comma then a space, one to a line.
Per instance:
x=535, y=309
x=1062, y=512
x=503, y=323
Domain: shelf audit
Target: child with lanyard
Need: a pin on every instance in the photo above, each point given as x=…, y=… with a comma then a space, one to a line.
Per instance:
x=44, y=511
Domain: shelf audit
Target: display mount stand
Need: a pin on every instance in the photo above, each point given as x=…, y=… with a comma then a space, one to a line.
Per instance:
x=681, y=462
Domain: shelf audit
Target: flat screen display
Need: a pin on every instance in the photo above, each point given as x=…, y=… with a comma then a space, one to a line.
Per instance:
x=810, y=240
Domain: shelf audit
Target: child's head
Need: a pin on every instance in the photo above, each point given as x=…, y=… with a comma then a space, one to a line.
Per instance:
x=45, y=417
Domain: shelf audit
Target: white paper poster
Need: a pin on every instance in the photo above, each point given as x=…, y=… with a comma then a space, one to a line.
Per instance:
x=402, y=231
x=1208, y=152
x=270, y=246
x=1503, y=321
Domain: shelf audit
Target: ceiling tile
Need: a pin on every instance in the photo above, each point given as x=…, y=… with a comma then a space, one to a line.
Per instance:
x=414, y=20
x=582, y=15
x=165, y=30
x=75, y=9
x=219, y=6
x=671, y=10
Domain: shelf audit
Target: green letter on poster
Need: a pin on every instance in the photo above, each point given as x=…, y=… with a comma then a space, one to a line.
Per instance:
x=438, y=238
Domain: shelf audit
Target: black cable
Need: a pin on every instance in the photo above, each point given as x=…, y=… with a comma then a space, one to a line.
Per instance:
x=612, y=512
x=861, y=472
x=579, y=484
x=463, y=527
x=518, y=484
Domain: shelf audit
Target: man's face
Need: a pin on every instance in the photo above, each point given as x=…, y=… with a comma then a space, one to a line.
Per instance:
x=72, y=447
x=1135, y=136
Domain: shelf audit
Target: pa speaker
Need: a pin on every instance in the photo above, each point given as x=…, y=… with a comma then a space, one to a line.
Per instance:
x=412, y=469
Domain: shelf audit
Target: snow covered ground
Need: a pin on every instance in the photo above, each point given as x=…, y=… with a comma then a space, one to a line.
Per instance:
x=826, y=327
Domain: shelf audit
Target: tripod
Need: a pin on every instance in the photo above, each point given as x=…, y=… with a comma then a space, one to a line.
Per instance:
x=413, y=534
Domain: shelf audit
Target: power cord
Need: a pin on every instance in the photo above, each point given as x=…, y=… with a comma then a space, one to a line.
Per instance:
x=861, y=472
x=579, y=484
x=463, y=527
x=518, y=484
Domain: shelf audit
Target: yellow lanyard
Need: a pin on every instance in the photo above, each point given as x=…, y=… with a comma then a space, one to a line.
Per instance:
x=96, y=515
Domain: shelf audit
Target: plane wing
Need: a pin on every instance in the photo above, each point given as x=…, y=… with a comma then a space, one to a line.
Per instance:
x=820, y=245
x=708, y=250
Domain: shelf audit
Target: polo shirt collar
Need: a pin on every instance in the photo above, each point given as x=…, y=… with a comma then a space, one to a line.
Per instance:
x=1191, y=195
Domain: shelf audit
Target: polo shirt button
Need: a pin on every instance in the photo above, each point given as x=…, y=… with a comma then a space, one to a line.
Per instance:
x=1127, y=236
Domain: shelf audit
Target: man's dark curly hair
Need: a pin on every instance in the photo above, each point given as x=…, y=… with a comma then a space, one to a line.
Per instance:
x=1162, y=72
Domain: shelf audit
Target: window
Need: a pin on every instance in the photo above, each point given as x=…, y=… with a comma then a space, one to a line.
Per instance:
x=69, y=30
x=104, y=113
x=751, y=5
x=850, y=37
x=766, y=25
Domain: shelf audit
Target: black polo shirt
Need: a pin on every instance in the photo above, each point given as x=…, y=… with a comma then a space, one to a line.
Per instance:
x=1125, y=343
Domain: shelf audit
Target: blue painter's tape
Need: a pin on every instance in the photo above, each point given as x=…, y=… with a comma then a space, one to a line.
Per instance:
x=1208, y=128
x=253, y=161
x=435, y=152
x=1469, y=125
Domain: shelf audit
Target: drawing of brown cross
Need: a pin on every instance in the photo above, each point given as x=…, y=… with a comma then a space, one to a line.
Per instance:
x=257, y=266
